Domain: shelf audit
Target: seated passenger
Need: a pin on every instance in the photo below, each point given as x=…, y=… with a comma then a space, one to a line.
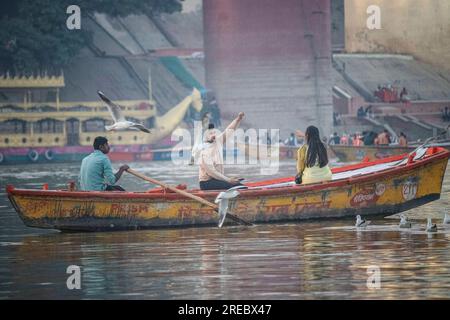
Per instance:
x=96, y=172
x=312, y=159
x=211, y=167
x=402, y=141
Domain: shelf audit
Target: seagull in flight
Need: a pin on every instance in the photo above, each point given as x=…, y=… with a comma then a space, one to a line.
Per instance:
x=120, y=123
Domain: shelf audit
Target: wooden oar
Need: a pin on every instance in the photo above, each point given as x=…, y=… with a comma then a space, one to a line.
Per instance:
x=188, y=195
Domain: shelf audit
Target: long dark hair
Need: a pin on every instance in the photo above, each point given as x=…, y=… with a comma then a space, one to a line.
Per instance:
x=316, y=149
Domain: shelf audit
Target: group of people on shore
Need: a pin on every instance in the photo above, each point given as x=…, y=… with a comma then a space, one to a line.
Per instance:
x=363, y=113
x=367, y=138
x=96, y=172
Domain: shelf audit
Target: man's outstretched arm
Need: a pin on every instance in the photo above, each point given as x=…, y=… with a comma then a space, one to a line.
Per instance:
x=232, y=126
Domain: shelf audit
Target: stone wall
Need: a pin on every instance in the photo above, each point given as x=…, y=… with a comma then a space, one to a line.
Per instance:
x=417, y=27
x=272, y=60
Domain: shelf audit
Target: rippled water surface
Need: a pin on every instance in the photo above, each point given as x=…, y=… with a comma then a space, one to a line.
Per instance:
x=309, y=260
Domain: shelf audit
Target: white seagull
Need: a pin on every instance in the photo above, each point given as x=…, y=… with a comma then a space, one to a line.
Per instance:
x=361, y=223
x=222, y=201
x=446, y=219
x=120, y=123
x=404, y=223
x=430, y=226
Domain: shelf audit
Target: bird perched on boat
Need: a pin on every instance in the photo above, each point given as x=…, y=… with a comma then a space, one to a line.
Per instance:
x=431, y=227
x=120, y=123
x=446, y=219
x=404, y=223
x=361, y=223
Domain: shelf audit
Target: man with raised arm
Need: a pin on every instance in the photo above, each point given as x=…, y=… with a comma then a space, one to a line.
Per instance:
x=211, y=170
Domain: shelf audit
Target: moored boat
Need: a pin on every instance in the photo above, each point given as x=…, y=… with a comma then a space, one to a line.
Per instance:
x=382, y=187
x=49, y=132
x=264, y=151
x=358, y=153
x=347, y=153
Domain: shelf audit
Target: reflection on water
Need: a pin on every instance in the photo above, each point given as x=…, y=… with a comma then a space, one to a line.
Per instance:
x=326, y=259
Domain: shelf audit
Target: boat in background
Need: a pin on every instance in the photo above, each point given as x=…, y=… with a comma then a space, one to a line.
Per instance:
x=284, y=151
x=347, y=153
x=49, y=132
x=379, y=188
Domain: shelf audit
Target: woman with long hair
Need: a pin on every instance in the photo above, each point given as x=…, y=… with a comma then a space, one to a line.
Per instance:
x=312, y=159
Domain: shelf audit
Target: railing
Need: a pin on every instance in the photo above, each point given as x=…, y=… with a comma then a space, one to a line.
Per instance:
x=28, y=140
x=81, y=115
x=117, y=138
x=91, y=104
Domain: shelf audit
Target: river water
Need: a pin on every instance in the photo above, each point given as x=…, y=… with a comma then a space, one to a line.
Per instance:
x=308, y=260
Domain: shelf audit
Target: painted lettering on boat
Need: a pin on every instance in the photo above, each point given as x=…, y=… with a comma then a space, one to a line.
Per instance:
x=368, y=196
x=311, y=206
x=77, y=211
x=55, y=208
x=295, y=208
x=409, y=190
x=85, y=209
x=34, y=206
x=128, y=209
x=380, y=188
x=277, y=209
x=190, y=212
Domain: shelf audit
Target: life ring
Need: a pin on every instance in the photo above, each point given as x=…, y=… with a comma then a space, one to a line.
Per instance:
x=1, y=157
x=49, y=155
x=33, y=155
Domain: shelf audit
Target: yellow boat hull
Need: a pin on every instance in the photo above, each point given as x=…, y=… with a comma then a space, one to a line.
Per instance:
x=380, y=193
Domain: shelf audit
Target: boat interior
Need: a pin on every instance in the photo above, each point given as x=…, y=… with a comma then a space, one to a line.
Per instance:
x=348, y=171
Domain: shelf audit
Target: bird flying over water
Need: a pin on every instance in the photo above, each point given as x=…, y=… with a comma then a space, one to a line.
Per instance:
x=361, y=223
x=120, y=123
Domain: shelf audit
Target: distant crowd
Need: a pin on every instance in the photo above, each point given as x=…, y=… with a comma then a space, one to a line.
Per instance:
x=367, y=138
x=367, y=112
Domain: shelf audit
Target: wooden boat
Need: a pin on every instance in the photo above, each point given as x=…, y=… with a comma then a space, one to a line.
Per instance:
x=359, y=153
x=66, y=133
x=347, y=153
x=284, y=151
x=382, y=187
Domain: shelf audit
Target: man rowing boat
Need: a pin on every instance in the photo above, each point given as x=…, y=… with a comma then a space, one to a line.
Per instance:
x=96, y=172
x=211, y=169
